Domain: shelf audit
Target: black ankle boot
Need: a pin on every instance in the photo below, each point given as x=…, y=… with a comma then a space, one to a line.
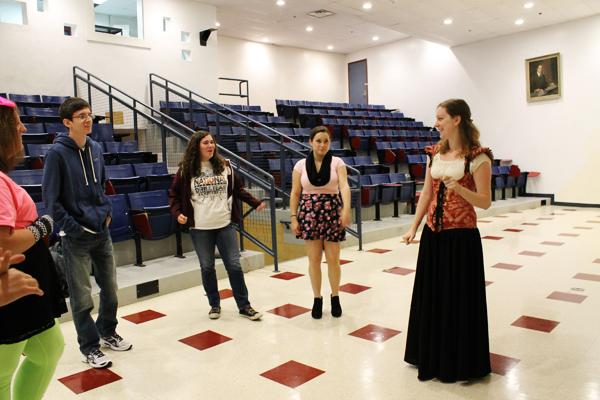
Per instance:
x=336, y=308
x=317, y=310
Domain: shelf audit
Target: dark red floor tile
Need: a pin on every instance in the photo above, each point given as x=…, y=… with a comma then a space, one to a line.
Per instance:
x=545, y=218
x=488, y=283
x=530, y=223
x=286, y=276
x=399, y=271
x=513, y=230
x=501, y=365
x=569, y=209
x=511, y=267
x=143, y=316
x=588, y=277
x=500, y=216
x=484, y=221
x=205, y=340
x=587, y=228
x=532, y=253
x=289, y=310
x=492, y=237
x=378, y=251
x=569, y=234
x=536, y=324
x=550, y=243
x=225, y=294
x=374, y=333
x=342, y=262
x=570, y=297
x=593, y=222
x=596, y=261
x=89, y=379
x=353, y=288
x=292, y=374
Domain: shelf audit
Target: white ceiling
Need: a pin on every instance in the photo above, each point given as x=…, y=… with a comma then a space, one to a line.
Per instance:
x=352, y=28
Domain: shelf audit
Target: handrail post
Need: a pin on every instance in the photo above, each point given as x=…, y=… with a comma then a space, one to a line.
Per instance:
x=89, y=90
x=110, y=109
x=273, y=227
x=135, y=121
x=164, y=143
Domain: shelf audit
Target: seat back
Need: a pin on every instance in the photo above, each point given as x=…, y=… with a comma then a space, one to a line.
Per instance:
x=120, y=226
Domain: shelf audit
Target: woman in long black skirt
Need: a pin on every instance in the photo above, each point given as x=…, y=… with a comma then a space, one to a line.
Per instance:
x=447, y=330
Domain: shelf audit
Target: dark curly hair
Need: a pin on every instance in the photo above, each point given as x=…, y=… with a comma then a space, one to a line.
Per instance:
x=469, y=134
x=11, y=148
x=191, y=165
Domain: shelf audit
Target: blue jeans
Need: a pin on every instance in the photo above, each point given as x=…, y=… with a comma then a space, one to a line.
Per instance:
x=226, y=241
x=80, y=253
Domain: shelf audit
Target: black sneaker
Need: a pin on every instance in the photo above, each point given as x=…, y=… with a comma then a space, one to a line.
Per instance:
x=214, y=313
x=250, y=313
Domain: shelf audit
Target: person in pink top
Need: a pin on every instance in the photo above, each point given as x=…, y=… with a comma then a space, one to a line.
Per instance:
x=320, y=214
x=27, y=323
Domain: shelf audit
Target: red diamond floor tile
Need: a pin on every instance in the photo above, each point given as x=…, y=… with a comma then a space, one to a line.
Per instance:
x=292, y=374
x=493, y=237
x=596, y=261
x=353, y=288
x=530, y=223
x=569, y=234
x=286, y=276
x=500, y=216
x=550, y=243
x=225, y=294
x=569, y=297
x=143, y=316
x=289, y=310
x=536, y=324
x=484, y=221
x=587, y=228
x=512, y=267
x=588, y=277
x=205, y=340
x=513, y=230
x=593, y=222
x=399, y=271
x=89, y=379
x=532, y=253
x=374, y=333
x=569, y=209
x=342, y=262
x=378, y=251
x=501, y=365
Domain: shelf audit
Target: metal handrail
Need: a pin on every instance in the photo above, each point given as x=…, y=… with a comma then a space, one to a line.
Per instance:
x=168, y=125
x=185, y=93
x=239, y=94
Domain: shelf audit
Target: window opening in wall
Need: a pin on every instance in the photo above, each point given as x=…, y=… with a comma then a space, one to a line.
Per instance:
x=186, y=55
x=185, y=37
x=119, y=17
x=13, y=12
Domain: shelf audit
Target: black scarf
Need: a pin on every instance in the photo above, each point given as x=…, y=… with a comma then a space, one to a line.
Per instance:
x=320, y=178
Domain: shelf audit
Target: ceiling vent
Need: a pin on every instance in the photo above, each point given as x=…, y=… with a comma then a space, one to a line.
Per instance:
x=321, y=13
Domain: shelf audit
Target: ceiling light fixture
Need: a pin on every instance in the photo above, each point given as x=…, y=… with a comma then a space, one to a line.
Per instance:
x=330, y=47
x=529, y=4
x=519, y=21
x=265, y=40
x=367, y=6
x=375, y=38
x=448, y=21
x=217, y=24
x=309, y=28
x=280, y=3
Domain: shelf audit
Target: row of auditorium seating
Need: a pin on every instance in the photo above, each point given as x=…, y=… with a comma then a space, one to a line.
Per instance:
x=35, y=100
x=126, y=178
x=289, y=108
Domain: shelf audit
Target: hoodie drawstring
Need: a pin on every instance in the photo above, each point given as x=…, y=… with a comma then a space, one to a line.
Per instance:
x=92, y=164
x=83, y=168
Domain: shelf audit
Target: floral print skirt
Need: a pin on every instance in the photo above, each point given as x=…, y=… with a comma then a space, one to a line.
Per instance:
x=319, y=217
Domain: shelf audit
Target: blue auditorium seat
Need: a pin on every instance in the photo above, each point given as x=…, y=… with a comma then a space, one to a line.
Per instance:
x=156, y=175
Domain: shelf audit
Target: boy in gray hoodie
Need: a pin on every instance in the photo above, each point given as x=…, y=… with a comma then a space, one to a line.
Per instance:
x=73, y=192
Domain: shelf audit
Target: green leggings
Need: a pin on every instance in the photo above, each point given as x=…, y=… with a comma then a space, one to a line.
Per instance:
x=42, y=353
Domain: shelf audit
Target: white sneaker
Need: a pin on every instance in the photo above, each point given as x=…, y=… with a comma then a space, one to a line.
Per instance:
x=97, y=359
x=116, y=343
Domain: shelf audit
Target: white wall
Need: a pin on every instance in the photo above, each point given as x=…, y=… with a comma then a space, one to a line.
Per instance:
x=560, y=138
x=276, y=72
x=38, y=58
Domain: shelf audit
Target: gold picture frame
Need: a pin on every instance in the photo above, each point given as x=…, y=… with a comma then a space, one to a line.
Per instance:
x=543, y=76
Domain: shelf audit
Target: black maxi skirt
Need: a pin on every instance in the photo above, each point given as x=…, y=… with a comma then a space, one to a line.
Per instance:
x=447, y=330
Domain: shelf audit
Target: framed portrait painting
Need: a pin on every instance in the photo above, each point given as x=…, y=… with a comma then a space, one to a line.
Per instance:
x=543, y=77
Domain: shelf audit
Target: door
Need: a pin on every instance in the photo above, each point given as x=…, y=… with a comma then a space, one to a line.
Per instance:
x=358, y=84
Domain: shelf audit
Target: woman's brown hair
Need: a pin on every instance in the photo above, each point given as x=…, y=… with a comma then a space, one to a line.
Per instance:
x=191, y=165
x=11, y=151
x=469, y=134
